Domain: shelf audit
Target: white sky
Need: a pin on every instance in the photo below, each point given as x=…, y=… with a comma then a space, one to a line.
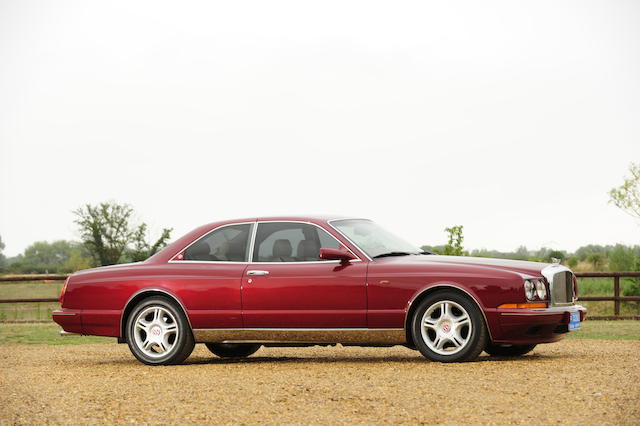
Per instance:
x=513, y=119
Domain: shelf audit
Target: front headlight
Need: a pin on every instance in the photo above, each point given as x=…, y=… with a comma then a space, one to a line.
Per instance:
x=529, y=290
x=541, y=290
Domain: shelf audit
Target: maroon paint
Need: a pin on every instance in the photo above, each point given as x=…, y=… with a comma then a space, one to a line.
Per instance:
x=349, y=294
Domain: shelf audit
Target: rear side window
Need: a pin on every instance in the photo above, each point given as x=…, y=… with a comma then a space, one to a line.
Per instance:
x=291, y=242
x=226, y=244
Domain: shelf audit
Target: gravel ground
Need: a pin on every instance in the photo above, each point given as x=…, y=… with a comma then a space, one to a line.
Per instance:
x=577, y=382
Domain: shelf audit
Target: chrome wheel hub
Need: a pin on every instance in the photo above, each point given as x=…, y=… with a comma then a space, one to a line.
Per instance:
x=155, y=331
x=446, y=327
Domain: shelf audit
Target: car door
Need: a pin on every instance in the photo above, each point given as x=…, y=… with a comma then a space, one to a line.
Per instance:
x=209, y=276
x=287, y=285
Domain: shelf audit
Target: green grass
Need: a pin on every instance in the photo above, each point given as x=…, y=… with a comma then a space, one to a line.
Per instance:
x=48, y=334
x=607, y=330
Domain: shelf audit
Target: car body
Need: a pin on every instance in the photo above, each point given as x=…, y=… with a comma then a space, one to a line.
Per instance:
x=239, y=284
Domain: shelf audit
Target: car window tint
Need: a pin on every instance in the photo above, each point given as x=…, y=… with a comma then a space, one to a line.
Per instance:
x=227, y=244
x=290, y=242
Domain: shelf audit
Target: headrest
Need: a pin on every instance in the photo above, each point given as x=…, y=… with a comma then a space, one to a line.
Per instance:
x=308, y=249
x=282, y=248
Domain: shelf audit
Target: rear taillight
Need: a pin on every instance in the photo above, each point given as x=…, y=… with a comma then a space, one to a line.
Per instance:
x=62, y=292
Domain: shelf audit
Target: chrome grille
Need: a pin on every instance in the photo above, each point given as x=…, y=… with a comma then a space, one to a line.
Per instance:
x=562, y=288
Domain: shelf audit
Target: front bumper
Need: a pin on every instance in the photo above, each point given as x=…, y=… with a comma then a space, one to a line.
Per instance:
x=533, y=326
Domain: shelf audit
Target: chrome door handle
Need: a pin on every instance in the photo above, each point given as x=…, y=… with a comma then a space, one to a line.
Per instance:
x=257, y=272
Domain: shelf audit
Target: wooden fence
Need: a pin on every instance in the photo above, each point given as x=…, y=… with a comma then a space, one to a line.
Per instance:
x=616, y=298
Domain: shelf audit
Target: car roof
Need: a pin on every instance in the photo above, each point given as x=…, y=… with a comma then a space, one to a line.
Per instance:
x=304, y=218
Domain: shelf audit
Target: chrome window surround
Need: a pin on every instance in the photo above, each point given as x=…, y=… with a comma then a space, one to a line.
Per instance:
x=252, y=231
x=549, y=272
x=347, y=238
x=255, y=231
x=252, y=242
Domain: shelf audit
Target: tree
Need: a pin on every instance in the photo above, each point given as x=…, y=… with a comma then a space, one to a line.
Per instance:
x=622, y=258
x=43, y=256
x=141, y=248
x=108, y=234
x=627, y=195
x=2, y=257
x=454, y=243
x=595, y=259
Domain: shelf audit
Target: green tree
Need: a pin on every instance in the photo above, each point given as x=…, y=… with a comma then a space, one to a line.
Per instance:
x=108, y=234
x=595, y=259
x=454, y=243
x=3, y=259
x=142, y=249
x=627, y=195
x=43, y=256
x=78, y=259
x=572, y=261
x=555, y=254
x=521, y=253
x=622, y=258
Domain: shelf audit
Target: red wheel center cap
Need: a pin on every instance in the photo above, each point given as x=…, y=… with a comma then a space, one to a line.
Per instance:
x=155, y=331
x=446, y=327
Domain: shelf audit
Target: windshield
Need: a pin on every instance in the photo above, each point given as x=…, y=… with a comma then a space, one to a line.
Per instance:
x=374, y=240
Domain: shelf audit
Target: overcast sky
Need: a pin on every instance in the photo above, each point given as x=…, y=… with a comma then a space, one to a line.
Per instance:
x=513, y=119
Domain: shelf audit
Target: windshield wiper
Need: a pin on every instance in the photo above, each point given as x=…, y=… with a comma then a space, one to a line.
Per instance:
x=393, y=253
x=426, y=252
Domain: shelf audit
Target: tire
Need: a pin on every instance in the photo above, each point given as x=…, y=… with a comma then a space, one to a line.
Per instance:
x=158, y=332
x=459, y=334
x=508, y=350
x=232, y=350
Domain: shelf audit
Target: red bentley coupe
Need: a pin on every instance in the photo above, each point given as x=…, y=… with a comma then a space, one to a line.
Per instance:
x=301, y=281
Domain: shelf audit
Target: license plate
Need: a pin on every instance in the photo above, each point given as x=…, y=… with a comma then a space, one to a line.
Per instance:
x=574, y=321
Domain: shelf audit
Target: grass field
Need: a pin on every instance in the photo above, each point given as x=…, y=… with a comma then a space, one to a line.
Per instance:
x=49, y=333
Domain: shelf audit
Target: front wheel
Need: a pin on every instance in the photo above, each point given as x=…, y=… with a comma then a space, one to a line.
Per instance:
x=508, y=350
x=158, y=332
x=232, y=350
x=448, y=327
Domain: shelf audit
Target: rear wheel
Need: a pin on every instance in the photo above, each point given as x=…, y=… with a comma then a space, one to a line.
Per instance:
x=448, y=327
x=508, y=350
x=232, y=350
x=158, y=332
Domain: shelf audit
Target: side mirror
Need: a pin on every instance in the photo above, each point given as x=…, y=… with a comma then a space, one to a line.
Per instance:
x=336, y=254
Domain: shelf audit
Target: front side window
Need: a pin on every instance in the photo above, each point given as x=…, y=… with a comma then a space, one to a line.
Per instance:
x=291, y=242
x=226, y=244
x=374, y=240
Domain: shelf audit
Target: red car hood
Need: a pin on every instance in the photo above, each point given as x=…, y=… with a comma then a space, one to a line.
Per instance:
x=522, y=266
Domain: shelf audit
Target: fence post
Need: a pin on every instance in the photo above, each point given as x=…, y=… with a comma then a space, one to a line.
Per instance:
x=616, y=294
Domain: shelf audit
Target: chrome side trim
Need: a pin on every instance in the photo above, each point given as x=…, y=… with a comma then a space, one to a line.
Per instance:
x=148, y=290
x=347, y=238
x=62, y=314
x=64, y=333
x=301, y=335
x=406, y=315
x=530, y=313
